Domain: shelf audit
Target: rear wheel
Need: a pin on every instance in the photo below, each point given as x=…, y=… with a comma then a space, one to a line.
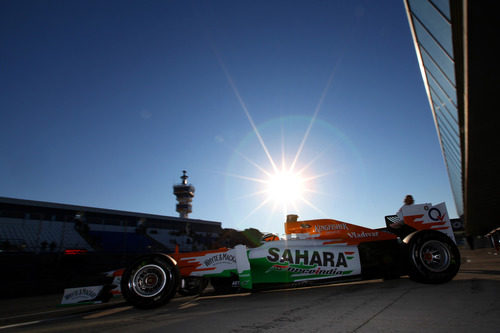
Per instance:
x=433, y=257
x=150, y=282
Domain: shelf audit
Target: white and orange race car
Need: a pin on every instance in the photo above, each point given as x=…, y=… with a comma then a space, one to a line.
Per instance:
x=314, y=251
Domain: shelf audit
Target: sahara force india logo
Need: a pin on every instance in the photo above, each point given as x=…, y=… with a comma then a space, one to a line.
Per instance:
x=310, y=262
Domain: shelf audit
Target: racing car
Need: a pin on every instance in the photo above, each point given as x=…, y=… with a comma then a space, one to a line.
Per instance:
x=311, y=252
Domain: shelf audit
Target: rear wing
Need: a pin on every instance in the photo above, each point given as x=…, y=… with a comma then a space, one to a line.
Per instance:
x=425, y=216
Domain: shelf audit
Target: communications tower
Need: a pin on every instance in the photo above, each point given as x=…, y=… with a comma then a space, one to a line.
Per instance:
x=184, y=193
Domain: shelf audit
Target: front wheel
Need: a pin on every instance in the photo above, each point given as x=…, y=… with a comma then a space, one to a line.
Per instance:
x=150, y=282
x=433, y=257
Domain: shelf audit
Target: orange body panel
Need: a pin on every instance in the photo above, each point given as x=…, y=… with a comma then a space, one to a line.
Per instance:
x=335, y=232
x=415, y=221
x=191, y=262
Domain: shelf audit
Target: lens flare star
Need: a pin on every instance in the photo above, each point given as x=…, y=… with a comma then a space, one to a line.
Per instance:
x=285, y=188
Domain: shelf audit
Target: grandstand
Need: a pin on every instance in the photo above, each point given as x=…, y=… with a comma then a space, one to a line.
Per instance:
x=38, y=227
x=40, y=235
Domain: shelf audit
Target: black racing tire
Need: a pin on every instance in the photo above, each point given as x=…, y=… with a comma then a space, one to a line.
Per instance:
x=433, y=257
x=150, y=281
x=192, y=286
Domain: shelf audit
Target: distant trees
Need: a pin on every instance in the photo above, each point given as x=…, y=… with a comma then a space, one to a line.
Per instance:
x=250, y=237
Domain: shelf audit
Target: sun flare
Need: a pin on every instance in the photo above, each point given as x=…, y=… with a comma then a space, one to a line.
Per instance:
x=285, y=187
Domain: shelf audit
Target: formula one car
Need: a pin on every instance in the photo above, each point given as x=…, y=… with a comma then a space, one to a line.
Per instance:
x=314, y=251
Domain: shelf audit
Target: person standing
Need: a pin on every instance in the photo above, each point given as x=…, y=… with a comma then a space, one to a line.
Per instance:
x=408, y=201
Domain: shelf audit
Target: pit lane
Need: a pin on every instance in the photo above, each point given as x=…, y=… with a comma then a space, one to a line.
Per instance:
x=469, y=302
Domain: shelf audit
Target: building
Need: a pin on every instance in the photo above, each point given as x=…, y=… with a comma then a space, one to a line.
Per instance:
x=35, y=226
x=453, y=41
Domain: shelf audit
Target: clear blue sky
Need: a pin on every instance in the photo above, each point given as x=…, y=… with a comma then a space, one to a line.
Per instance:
x=104, y=103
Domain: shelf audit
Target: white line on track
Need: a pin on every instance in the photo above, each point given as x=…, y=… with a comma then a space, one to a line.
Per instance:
x=107, y=312
x=20, y=324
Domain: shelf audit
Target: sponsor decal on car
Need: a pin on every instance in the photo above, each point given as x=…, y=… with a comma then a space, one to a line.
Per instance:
x=304, y=263
x=210, y=263
x=220, y=258
x=81, y=295
x=362, y=234
x=435, y=215
x=307, y=271
x=330, y=227
x=307, y=257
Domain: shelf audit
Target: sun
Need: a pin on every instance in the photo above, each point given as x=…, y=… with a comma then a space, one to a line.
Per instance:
x=285, y=187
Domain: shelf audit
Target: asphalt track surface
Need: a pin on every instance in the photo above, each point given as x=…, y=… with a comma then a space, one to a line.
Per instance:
x=471, y=302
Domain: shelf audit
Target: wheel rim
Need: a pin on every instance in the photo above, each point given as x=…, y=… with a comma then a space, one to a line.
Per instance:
x=149, y=280
x=434, y=255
